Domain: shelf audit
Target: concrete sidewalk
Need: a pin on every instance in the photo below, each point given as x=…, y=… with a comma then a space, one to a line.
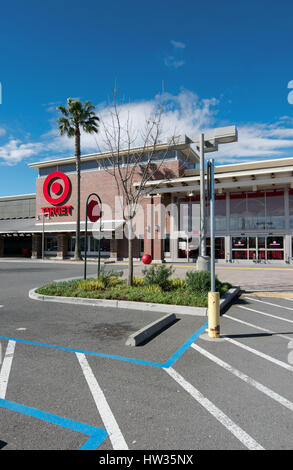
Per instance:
x=277, y=277
x=247, y=277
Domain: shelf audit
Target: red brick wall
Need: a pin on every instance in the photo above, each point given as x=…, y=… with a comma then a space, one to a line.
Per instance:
x=100, y=182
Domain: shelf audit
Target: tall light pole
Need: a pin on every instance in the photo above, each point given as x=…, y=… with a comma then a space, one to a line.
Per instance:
x=213, y=296
x=209, y=143
x=43, y=215
x=203, y=260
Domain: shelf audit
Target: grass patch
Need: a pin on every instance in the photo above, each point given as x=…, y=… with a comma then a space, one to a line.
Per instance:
x=178, y=292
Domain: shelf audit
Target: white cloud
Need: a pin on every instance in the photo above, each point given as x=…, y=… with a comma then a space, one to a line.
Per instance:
x=184, y=113
x=171, y=61
x=2, y=131
x=178, y=44
x=258, y=140
x=175, y=60
x=14, y=151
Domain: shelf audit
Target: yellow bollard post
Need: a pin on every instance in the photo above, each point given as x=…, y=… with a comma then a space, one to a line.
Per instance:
x=214, y=314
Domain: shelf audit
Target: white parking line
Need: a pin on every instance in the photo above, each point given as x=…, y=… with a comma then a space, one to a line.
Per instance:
x=259, y=353
x=111, y=425
x=239, y=433
x=6, y=368
x=262, y=388
x=266, y=314
x=259, y=327
x=268, y=303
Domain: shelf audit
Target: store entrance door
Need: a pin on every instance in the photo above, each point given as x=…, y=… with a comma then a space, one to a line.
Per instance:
x=188, y=247
x=258, y=248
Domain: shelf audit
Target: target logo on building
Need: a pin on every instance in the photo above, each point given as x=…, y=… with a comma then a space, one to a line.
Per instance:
x=51, y=186
x=56, y=189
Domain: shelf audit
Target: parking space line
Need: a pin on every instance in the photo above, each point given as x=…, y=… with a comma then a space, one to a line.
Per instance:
x=238, y=432
x=89, y=353
x=268, y=303
x=96, y=435
x=172, y=359
x=266, y=314
x=259, y=353
x=249, y=380
x=111, y=425
x=6, y=367
x=280, y=335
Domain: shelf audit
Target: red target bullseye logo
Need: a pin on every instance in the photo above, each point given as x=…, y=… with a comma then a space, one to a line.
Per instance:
x=93, y=211
x=51, y=186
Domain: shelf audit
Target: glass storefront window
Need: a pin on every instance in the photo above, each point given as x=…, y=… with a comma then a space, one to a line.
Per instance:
x=261, y=242
x=92, y=244
x=71, y=243
x=237, y=211
x=219, y=247
x=275, y=254
x=275, y=210
x=275, y=243
x=141, y=243
x=258, y=248
x=239, y=254
x=105, y=244
x=255, y=217
x=291, y=208
x=220, y=212
x=166, y=243
x=192, y=247
x=239, y=242
x=182, y=248
x=260, y=210
x=188, y=214
x=50, y=243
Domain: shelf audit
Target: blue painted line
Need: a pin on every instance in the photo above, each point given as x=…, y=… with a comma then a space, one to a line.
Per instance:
x=172, y=359
x=89, y=353
x=96, y=435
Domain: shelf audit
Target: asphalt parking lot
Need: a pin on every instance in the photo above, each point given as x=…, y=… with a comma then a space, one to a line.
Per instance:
x=67, y=380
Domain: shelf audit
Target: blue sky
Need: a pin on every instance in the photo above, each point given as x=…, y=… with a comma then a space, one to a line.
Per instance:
x=222, y=63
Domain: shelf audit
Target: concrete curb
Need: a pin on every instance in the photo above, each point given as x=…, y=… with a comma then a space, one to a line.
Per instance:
x=152, y=328
x=165, y=308
x=229, y=297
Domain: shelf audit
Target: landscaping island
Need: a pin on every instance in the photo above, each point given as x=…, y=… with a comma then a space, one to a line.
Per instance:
x=156, y=286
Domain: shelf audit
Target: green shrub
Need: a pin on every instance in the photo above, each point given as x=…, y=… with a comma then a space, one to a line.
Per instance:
x=178, y=283
x=138, y=281
x=91, y=285
x=158, y=274
x=109, y=277
x=200, y=281
x=153, y=288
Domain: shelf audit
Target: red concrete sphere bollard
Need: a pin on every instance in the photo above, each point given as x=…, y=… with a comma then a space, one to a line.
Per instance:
x=146, y=259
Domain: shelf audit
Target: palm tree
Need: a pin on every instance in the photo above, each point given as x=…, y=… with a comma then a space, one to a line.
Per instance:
x=77, y=116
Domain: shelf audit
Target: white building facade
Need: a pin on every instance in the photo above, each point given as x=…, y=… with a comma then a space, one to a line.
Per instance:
x=253, y=213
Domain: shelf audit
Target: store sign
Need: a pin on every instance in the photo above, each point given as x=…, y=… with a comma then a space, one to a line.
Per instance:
x=62, y=210
x=93, y=211
x=56, y=193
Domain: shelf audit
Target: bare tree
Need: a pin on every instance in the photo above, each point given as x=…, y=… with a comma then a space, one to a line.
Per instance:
x=132, y=157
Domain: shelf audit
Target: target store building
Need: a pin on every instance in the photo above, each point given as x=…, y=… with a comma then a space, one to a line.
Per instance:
x=253, y=213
